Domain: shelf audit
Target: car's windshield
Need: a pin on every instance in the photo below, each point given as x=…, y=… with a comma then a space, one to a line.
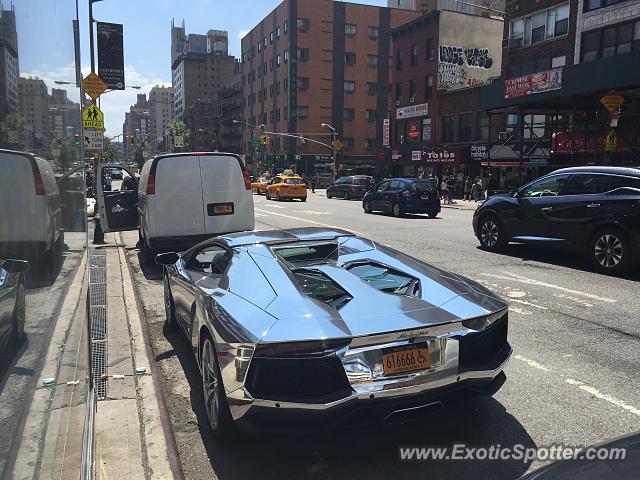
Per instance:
x=293, y=181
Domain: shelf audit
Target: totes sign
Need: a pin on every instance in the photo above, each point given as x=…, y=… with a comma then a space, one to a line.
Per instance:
x=457, y=65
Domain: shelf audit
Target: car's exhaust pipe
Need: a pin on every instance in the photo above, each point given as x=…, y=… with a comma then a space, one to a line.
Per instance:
x=413, y=413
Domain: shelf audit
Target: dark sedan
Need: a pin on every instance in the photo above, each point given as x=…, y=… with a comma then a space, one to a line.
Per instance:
x=350, y=187
x=592, y=210
x=403, y=195
x=12, y=301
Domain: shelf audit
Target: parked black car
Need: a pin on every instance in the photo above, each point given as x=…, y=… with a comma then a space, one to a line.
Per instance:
x=350, y=187
x=593, y=210
x=403, y=195
x=12, y=302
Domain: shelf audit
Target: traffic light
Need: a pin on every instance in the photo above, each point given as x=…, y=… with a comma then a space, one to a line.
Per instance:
x=76, y=139
x=59, y=143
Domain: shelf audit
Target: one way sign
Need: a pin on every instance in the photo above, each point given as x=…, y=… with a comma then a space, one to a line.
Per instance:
x=93, y=139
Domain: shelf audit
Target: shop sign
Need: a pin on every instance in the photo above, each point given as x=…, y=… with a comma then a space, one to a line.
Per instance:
x=539, y=82
x=426, y=132
x=416, y=155
x=444, y=155
x=395, y=154
x=385, y=132
x=412, y=111
x=478, y=152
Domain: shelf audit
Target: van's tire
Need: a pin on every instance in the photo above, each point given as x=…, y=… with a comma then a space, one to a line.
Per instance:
x=215, y=401
x=491, y=234
x=609, y=251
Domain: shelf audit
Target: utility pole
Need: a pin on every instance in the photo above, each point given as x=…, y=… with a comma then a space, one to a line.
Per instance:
x=333, y=150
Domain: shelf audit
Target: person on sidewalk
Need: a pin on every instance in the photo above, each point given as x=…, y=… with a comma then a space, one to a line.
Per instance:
x=467, y=188
x=476, y=190
x=444, y=189
x=312, y=183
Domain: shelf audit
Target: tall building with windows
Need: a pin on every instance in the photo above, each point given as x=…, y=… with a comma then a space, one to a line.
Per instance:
x=315, y=62
x=33, y=106
x=160, y=115
x=476, y=7
x=9, y=65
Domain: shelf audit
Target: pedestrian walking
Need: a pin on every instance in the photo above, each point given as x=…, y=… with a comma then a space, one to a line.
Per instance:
x=312, y=182
x=444, y=189
x=476, y=190
x=467, y=188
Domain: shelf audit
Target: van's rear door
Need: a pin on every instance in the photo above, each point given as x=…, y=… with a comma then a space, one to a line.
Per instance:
x=21, y=188
x=226, y=194
x=178, y=197
x=117, y=199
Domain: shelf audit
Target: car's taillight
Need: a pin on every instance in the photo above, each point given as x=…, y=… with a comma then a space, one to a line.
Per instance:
x=406, y=195
x=354, y=187
x=151, y=185
x=247, y=179
x=37, y=180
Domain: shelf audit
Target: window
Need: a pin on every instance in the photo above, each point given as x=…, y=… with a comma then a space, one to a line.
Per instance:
x=585, y=184
x=302, y=24
x=372, y=88
x=483, y=122
x=271, y=38
x=428, y=87
x=625, y=182
x=286, y=56
x=285, y=83
x=595, y=4
x=259, y=46
x=431, y=50
x=350, y=58
x=285, y=112
x=210, y=260
x=414, y=54
x=384, y=186
x=447, y=128
x=464, y=127
x=610, y=41
x=399, y=60
x=278, y=32
x=271, y=64
x=398, y=92
x=372, y=33
x=348, y=114
x=303, y=54
x=302, y=83
x=370, y=143
x=302, y=111
x=348, y=143
x=320, y=287
x=349, y=86
x=544, y=188
x=412, y=90
x=426, y=129
x=370, y=115
x=286, y=25
x=558, y=61
x=540, y=26
x=350, y=29
x=372, y=60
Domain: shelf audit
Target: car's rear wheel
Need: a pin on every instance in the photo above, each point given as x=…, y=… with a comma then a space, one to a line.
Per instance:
x=609, y=251
x=433, y=214
x=303, y=199
x=19, y=312
x=329, y=194
x=215, y=400
x=169, y=307
x=148, y=254
x=491, y=234
x=278, y=196
x=347, y=195
x=396, y=210
x=366, y=206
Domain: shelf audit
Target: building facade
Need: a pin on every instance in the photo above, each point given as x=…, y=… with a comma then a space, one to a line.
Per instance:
x=315, y=62
x=9, y=64
x=160, y=116
x=136, y=127
x=440, y=61
x=227, y=111
x=33, y=106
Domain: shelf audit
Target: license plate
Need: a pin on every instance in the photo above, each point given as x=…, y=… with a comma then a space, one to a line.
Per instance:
x=220, y=209
x=425, y=197
x=406, y=359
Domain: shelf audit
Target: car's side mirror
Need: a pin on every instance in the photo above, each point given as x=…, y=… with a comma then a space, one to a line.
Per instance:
x=167, y=258
x=16, y=266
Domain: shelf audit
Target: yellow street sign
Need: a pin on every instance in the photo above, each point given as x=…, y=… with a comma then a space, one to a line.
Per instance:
x=92, y=117
x=611, y=142
x=612, y=102
x=93, y=85
x=338, y=145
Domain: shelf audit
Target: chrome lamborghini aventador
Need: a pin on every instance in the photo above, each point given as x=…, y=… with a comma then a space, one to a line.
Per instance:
x=320, y=326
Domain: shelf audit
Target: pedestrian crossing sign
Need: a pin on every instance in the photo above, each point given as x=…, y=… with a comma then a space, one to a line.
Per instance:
x=92, y=117
x=611, y=142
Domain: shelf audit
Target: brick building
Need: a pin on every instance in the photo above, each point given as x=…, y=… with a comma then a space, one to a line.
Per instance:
x=560, y=59
x=160, y=116
x=311, y=62
x=228, y=109
x=439, y=62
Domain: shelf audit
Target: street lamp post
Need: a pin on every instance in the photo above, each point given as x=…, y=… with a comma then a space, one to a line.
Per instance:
x=215, y=138
x=333, y=149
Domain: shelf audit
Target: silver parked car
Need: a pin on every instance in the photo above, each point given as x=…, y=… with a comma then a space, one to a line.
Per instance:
x=12, y=303
x=320, y=326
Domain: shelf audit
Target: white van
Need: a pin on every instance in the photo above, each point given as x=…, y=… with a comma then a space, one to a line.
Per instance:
x=30, y=208
x=182, y=199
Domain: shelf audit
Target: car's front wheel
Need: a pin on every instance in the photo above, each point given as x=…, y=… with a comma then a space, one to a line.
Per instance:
x=169, y=307
x=609, y=251
x=396, y=210
x=490, y=234
x=347, y=195
x=266, y=194
x=19, y=312
x=215, y=400
x=433, y=214
x=366, y=206
x=329, y=194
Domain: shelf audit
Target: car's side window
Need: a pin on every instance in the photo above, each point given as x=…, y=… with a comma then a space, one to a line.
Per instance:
x=396, y=185
x=546, y=187
x=382, y=187
x=587, y=184
x=211, y=259
x=624, y=182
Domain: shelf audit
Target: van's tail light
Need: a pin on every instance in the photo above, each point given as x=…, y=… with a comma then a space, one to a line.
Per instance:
x=406, y=195
x=247, y=179
x=37, y=180
x=151, y=185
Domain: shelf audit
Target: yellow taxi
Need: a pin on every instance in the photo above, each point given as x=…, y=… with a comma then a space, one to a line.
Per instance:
x=287, y=186
x=260, y=185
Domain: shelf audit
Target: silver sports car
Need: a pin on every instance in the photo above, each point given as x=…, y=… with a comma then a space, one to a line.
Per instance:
x=319, y=326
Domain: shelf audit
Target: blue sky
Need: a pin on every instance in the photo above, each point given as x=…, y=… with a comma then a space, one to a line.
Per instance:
x=46, y=42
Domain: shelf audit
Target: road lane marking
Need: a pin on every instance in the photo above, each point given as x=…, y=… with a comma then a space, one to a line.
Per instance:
x=603, y=396
x=311, y=221
x=584, y=303
x=274, y=206
x=529, y=304
x=532, y=363
x=529, y=281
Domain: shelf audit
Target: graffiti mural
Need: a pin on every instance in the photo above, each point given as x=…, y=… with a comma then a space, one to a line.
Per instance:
x=451, y=75
x=478, y=57
x=461, y=67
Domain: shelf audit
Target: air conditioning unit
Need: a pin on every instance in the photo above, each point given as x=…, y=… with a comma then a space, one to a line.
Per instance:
x=503, y=135
x=515, y=40
x=397, y=103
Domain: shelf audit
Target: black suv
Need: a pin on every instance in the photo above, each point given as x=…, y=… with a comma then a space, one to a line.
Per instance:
x=593, y=210
x=350, y=187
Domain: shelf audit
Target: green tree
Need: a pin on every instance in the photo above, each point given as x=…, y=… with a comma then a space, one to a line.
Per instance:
x=179, y=129
x=11, y=125
x=68, y=155
x=111, y=151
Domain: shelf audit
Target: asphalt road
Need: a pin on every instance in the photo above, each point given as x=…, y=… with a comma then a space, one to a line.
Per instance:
x=573, y=379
